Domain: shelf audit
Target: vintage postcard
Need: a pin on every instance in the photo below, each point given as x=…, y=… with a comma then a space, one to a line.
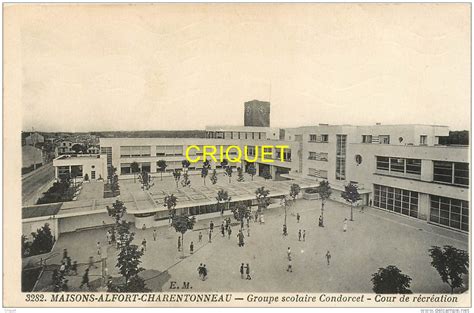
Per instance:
x=237, y=155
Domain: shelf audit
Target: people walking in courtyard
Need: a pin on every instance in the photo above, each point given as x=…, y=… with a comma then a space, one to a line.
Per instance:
x=304, y=235
x=191, y=248
x=98, y=247
x=285, y=230
x=288, y=252
x=328, y=257
x=247, y=271
x=204, y=272
x=154, y=234
x=85, y=279
x=211, y=226
x=64, y=253
x=298, y=217
x=144, y=244
x=200, y=236
x=108, y=236
x=320, y=223
x=222, y=229
x=242, y=271
x=256, y=216
x=179, y=243
x=210, y=236
x=344, y=225
x=229, y=232
x=299, y=235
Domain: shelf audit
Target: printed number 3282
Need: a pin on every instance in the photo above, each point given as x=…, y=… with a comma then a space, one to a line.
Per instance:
x=38, y=297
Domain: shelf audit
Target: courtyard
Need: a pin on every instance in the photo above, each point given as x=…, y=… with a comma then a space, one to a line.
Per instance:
x=374, y=239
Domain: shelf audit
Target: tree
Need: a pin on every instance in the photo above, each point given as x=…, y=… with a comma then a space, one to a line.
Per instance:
x=170, y=203
x=204, y=173
x=294, y=191
x=75, y=171
x=145, y=179
x=324, y=191
x=285, y=203
x=390, y=280
x=183, y=223
x=228, y=172
x=177, y=176
x=162, y=166
x=240, y=175
x=224, y=163
x=129, y=260
x=186, y=182
x=351, y=195
x=78, y=148
x=86, y=177
x=262, y=198
x=43, y=240
x=186, y=165
x=222, y=197
x=251, y=170
x=241, y=211
x=117, y=211
x=266, y=173
x=451, y=263
x=113, y=177
x=214, y=177
x=135, y=169
x=25, y=246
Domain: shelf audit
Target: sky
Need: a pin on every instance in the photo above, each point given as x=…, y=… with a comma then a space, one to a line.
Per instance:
x=169, y=66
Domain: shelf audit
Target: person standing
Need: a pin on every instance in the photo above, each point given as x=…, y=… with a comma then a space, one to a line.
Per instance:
x=321, y=224
x=144, y=244
x=229, y=231
x=256, y=216
x=64, y=253
x=98, y=248
x=288, y=252
x=204, y=272
x=285, y=230
x=247, y=270
x=290, y=266
x=299, y=235
x=154, y=235
x=210, y=236
x=344, y=225
x=200, y=236
x=211, y=226
x=242, y=271
x=91, y=262
x=74, y=267
x=85, y=279
x=298, y=217
x=248, y=221
x=222, y=229
x=328, y=257
x=179, y=243
x=304, y=235
x=248, y=231
x=200, y=270
x=191, y=247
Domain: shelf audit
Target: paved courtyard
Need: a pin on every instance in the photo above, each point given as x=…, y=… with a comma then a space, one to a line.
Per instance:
x=374, y=239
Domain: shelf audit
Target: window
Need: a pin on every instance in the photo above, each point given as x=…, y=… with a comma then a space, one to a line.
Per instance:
x=366, y=138
x=317, y=173
x=383, y=163
x=451, y=173
x=286, y=155
x=322, y=156
x=313, y=138
x=423, y=140
x=384, y=139
x=325, y=138
x=397, y=200
x=449, y=212
x=413, y=166
x=341, y=157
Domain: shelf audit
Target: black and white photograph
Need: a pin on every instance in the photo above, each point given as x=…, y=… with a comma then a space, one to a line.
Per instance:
x=237, y=154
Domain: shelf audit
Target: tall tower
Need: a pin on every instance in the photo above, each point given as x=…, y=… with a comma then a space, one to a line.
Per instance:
x=257, y=113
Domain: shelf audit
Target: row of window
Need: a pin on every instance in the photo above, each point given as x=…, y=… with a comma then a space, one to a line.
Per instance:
x=135, y=151
x=397, y=200
x=341, y=141
x=399, y=165
x=237, y=135
x=451, y=173
x=385, y=139
x=318, y=156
